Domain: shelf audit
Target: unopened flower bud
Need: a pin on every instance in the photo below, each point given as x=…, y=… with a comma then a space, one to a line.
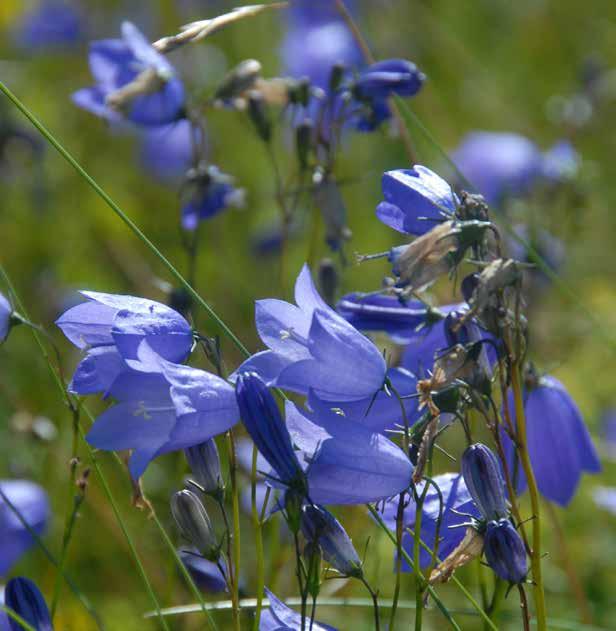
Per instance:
x=204, y=462
x=320, y=526
x=257, y=110
x=238, y=80
x=333, y=210
x=303, y=142
x=194, y=523
x=328, y=280
x=299, y=92
x=336, y=76
x=484, y=481
x=505, y=552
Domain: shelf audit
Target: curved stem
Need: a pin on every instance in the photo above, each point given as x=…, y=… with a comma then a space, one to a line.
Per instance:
x=375, y=603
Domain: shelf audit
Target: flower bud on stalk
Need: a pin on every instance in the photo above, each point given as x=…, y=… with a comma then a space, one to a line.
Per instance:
x=320, y=526
x=328, y=280
x=333, y=210
x=238, y=80
x=257, y=110
x=204, y=462
x=505, y=552
x=194, y=523
x=482, y=475
x=303, y=142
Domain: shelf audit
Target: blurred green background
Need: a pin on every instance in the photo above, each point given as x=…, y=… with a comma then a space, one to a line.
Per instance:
x=491, y=64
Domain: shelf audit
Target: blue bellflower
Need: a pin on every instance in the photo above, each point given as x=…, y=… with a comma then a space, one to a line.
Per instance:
x=33, y=505
x=415, y=200
x=52, y=25
x=163, y=407
x=24, y=598
x=279, y=617
x=559, y=445
x=205, y=573
x=346, y=463
x=456, y=499
x=313, y=347
x=484, y=481
x=505, y=552
x=133, y=81
x=110, y=328
x=6, y=311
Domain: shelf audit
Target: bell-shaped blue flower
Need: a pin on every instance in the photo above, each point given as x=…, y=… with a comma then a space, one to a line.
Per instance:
x=313, y=348
x=559, y=445
x=279, y=617
x=133, y=81
x=321, y=527
x=415, y=199
x=346, y=463
x=111, y=327
x=456, y=500
x=24, y=598
x=505, y=551
x=482, y=475
x=391, y=76
x=162, y=407
x=51, y=25
x=32, y=503
x=6, y=311
x=264, y=423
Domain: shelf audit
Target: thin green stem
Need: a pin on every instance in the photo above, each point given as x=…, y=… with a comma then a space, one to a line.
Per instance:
x=235, y=596
x=122, y=215
x=375, y=603
x=419, y=583
x=13, y=615
x=258, y=532
x=399, y=534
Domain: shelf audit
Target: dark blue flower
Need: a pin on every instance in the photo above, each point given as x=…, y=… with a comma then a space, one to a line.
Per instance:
x=53, y=24
x=482, y=475
x=505, y=551
x=279, y=617
x=207, y=192
x=6, y=311
x=205, y=573
x=33, y=505
x=415, y=199
x=24, y=598
x=456, y=499
x=321, y=527
x=499, y=164
x=559, y=445
x=168, y=151
x=162, y=407
x=111, y=327
x=133, y=81
x=312, y=347
x=263, y=421
x=392, y=76
x=346, y=462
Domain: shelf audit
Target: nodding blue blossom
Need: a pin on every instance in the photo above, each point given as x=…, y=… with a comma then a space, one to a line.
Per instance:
x=206, y=193
x=279, y=617
x=22, y=596
x=483, y=478
x=168, y=151
x=52, y=25
x=32, y=503
x=505, y=551
x=415, y=200
x=6, y=313
x=162, y=407
x=321, y=527
x=456, y=510
x=263, y=421
x=558, y=442
x=110, y=327
x=502, y=165
x=194, y=523
x=317, y=38
x=204, y=462
x=205, y=573
x=346, y=463
x=314, y=348
x=134, y=81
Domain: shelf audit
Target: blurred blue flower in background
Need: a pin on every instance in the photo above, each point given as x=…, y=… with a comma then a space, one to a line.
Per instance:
x=133, y=81
x=33, y=505
x=51, y=24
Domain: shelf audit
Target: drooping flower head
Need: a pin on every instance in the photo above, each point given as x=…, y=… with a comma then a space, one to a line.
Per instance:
x=32, y=503
x=24, y=598
x=110, y=328
x=134, y=81
x=559, y=445
x=505, y=552
x=206, y=573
